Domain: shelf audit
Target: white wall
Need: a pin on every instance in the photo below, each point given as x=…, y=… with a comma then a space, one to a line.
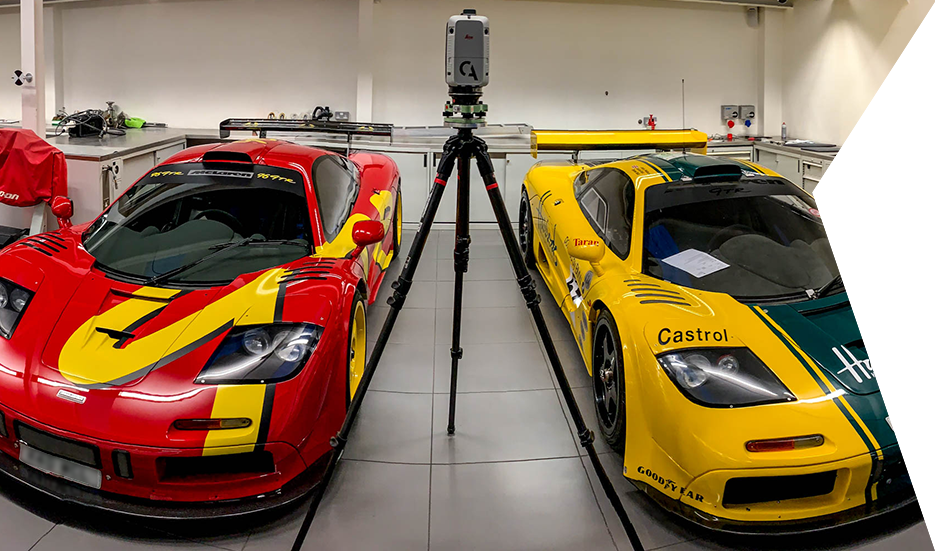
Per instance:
x=551, y=62
x=10, y=97
x=193, y=63
x=837, y=53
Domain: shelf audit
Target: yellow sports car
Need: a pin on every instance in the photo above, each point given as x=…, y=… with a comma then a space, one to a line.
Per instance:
x=727, y=364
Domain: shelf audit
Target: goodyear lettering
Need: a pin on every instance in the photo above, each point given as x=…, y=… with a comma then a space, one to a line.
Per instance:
x=164, y=173
x=669, y=484
x=667, y=335
x=274, y=177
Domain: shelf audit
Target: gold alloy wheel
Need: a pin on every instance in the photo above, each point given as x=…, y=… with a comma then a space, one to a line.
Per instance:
x=358, y=359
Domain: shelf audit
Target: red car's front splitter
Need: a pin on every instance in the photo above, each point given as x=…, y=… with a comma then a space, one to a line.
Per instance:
x=164, y=483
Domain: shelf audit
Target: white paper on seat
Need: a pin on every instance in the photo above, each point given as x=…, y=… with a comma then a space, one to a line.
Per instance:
x=695, y=262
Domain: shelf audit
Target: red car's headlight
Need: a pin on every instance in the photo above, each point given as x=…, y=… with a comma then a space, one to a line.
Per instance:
x=13, y=302
x=261, y=354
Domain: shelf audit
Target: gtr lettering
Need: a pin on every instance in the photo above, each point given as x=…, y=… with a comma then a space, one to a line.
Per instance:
x=667, y=335
x=669, y=484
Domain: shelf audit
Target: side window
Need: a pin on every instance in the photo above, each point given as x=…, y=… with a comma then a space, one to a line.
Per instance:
x=336, y=182
x=613, y=218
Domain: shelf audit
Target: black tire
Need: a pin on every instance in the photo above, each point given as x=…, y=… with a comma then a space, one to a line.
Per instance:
x=608, y=382
x=526, y=241
x=358, y=300
x=397, y=226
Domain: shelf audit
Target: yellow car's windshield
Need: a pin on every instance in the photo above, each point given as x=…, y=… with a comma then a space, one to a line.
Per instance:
x=753, y=239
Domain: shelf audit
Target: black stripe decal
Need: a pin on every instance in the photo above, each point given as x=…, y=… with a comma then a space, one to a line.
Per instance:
x=136, y=325
x=280, y=300
x=654, y=301
x=267, y=416
x=837, y=401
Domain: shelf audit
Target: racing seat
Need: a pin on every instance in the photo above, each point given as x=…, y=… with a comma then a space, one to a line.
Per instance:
x=32, y=174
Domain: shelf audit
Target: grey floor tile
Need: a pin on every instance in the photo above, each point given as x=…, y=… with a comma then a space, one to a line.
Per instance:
x=373, y=506
x=493, y=367
x=393, y=427
x=572, y=363
x=487, y=325
x=279, y=535
x=413, y=326
x=913, y=538
x=404, y=367
x=481, y=294
x=535, y=505
x=19, y=528
x=656, y=527
x=558, y=325
x=501, y=426
x=421, y=294
x=479, y=269
x=585, y=398
x=75, y=539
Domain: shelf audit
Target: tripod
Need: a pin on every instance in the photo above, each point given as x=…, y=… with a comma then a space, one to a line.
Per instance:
x=461, y=148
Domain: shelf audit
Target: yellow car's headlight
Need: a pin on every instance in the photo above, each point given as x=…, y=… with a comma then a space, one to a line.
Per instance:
x=724, y=377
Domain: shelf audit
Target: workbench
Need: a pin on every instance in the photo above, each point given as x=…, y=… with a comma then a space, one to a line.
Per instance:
x=100, y=169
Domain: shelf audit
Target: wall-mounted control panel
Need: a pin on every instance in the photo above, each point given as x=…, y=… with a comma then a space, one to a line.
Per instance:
x=730, y=112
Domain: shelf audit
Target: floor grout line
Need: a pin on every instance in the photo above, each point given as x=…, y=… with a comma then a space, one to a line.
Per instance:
x=428, y=543
x=33, y=546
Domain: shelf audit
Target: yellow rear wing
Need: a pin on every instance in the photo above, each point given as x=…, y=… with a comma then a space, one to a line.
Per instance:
x=581, y=140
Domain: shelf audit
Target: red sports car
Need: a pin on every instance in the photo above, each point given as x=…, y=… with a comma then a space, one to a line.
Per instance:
x=191, y=351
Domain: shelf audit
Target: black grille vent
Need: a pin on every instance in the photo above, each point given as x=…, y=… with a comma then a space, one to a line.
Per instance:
x=258, y=462
x=653, y=293
x=46, y=243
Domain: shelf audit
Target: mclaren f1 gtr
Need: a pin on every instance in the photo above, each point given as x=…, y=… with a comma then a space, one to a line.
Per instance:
x=191, y=351
x=726, y=362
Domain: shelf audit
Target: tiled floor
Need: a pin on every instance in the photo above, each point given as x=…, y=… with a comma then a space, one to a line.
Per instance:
x=511, y=479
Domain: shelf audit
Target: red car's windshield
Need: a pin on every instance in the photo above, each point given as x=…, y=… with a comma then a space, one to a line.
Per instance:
x=177, y=219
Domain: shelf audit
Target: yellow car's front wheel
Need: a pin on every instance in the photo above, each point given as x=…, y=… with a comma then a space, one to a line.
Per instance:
x=526, y=232
x=608, y=381
x=357, y=346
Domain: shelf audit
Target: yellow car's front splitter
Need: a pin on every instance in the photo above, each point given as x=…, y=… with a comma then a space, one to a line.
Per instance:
x=787, y=499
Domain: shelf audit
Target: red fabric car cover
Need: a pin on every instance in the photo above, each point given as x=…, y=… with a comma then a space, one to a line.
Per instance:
x=31, y=170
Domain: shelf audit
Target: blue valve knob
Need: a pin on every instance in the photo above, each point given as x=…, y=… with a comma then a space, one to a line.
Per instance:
x=748, y=123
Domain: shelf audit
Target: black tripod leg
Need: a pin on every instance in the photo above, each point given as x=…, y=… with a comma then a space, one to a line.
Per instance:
x=400, y=289
x=528, y=288
x=462, y=244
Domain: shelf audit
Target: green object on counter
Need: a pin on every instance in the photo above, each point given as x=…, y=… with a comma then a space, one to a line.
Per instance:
x=134, y=122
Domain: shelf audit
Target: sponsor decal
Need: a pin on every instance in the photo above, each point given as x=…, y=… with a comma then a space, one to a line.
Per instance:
x=669, y=484
x=164, y=173
x=814, y=212
x=853, y=366
x=221, y=173
x=274, y=177
x=585, y=242
x=8, y=195
x=70, y=396
x=667, y=336
x=574, y=291
x=588, y=278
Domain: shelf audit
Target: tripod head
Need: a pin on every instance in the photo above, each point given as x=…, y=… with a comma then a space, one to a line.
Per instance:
x=467, y=60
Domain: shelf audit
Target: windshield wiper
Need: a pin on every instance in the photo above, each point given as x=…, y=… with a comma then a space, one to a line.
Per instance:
x=185, y=267
x=827, y=287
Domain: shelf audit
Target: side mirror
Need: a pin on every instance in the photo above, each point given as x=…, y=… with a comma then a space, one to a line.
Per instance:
x=63, y=208
x=366, y=232
x=588, y=250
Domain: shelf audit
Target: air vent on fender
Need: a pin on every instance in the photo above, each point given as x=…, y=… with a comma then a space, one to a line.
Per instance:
x=313, y=269
x=653, y=293
x=46, y=243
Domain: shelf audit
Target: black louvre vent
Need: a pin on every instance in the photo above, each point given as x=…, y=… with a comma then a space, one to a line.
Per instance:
x=259, y=462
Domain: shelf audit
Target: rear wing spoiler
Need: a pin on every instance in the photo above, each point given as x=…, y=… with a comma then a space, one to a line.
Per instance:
x=262, y=126
x=582, y=140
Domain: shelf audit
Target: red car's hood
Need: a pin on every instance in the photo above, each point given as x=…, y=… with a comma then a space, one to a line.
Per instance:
x=112, y=333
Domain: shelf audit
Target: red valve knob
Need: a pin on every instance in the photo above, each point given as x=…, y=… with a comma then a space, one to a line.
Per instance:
x=730, y=124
